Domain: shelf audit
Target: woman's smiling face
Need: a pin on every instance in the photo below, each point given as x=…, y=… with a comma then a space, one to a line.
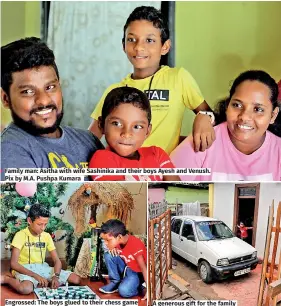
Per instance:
x=249, y=113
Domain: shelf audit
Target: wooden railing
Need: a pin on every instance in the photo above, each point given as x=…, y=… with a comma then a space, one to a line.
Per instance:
x=160, y=253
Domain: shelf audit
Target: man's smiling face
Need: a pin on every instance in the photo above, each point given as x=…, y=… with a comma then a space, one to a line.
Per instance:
x=35, y=100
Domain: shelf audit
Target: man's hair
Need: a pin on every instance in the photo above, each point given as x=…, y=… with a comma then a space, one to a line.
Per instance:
x=151, y=14
x=125, y=95
x=114, y=227
x=37, y=211
x=24, y=54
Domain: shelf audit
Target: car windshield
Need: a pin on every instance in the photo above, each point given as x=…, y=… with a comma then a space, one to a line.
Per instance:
x=210, y=230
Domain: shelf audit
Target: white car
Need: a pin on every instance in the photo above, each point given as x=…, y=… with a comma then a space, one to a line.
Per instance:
x=210, y=245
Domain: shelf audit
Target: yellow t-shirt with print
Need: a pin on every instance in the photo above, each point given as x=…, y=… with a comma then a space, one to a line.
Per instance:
x=32, y=248
x=170, y=91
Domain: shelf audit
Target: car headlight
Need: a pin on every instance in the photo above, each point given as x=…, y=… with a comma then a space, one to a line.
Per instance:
x=254, y=255
x=223, y=262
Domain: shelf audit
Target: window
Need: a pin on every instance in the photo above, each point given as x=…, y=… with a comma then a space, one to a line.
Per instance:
x=187, y=230
x=176, y=225
x=246, y=191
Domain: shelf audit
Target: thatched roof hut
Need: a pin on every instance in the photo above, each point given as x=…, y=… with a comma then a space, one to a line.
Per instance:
x=113, y=195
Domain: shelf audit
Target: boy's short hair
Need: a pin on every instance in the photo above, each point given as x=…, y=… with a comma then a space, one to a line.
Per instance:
x=151, y=14
x=114, y=227
x=123, y=95
x=37, y=211
x=24, y=54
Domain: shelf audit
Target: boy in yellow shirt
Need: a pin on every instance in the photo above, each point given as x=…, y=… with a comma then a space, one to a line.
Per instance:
x=29, y=248
x=170, y=90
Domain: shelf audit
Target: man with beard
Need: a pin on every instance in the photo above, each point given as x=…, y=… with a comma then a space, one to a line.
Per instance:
x=30, y=88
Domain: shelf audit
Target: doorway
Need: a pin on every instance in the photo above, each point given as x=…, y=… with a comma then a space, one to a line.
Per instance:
x=246, y=203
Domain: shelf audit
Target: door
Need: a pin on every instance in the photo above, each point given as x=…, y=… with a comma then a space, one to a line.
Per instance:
x=188, y=242
x=175, y=235
x=246, y=203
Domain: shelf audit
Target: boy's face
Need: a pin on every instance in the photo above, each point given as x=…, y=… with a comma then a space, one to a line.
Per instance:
x=143, y=45
x=37, y=226
x=35, y=98
x=110, y=241
x=125, y=129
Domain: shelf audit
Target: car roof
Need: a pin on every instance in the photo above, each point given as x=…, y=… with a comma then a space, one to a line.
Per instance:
x=195, y=218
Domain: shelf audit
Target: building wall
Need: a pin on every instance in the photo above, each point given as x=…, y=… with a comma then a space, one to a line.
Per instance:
x=224, y=203
x=186, y=195
x=268, y=192
x=156, y=195
x=224, y=208
x=217, y=40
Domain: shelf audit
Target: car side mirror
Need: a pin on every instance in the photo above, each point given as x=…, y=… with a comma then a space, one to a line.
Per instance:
x=191, y=237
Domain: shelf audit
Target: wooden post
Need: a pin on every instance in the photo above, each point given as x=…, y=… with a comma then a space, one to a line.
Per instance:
x=160, y=254
x=149, y=265
x=166, y=239
x=153, y=289
x=277, y=232
x=266, y=253
x=275, y=287
x=169, y=241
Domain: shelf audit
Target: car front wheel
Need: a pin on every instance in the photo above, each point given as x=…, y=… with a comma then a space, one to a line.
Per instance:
x=205, y=272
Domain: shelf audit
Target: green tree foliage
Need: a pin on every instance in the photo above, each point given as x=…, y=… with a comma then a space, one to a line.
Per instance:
x=13, y=207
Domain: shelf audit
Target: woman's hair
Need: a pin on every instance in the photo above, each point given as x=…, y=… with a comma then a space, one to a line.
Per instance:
x=252, y=75
x=151, y=14
x=125, y=95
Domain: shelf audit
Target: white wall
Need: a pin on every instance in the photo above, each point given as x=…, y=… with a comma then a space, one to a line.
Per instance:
x=224, y=202
x=268, y=192
x=224, y=209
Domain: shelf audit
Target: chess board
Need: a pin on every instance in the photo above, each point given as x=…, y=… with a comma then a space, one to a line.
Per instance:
x=73, y=293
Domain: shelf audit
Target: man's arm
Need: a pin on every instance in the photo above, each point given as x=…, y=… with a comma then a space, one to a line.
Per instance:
x=94, y=128
x=143, y=267
x=21, y=269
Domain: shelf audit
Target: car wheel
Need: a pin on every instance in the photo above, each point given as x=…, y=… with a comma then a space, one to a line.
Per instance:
x=205, y=272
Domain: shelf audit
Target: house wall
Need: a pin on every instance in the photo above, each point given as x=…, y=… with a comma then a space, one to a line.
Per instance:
x=268, y=192
x=217, y=40
x=156, y=195
x=224, y=208
x=224, y=202
x=186, y=195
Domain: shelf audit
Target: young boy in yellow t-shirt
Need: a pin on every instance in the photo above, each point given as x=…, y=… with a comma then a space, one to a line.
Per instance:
x=29, y=248
x=170, y=90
